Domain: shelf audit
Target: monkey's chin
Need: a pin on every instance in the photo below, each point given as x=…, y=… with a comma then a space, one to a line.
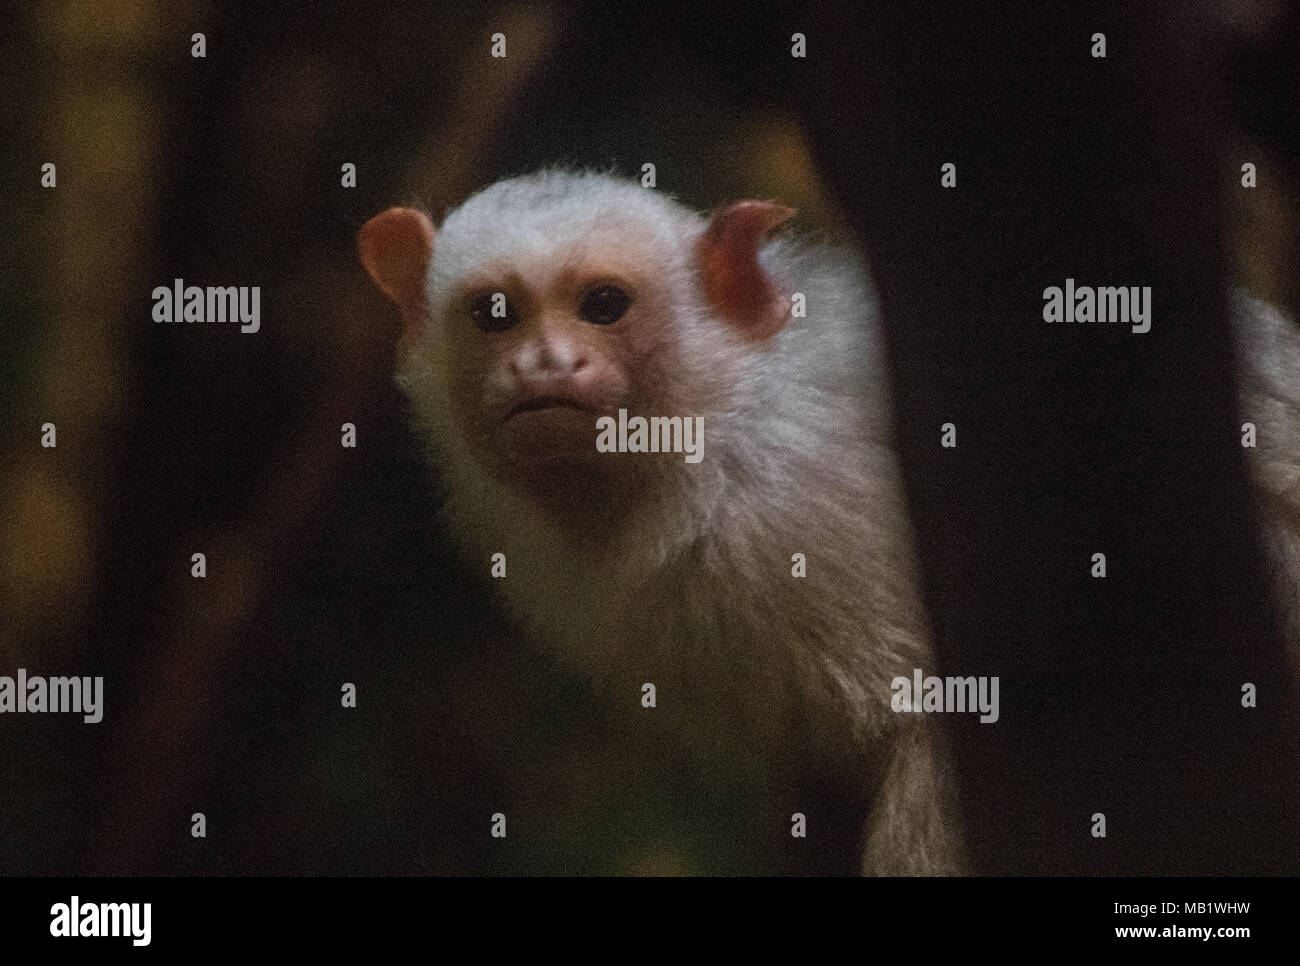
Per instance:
x=550, y=456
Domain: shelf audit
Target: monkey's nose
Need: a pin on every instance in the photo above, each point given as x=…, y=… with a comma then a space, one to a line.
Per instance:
x=549, y=359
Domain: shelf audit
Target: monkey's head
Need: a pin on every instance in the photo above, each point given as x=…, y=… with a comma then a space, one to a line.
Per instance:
x=545, y=302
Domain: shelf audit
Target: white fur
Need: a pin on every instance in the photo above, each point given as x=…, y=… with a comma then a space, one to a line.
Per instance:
x=1268, y=344
x=797, y=460
x=697, y=580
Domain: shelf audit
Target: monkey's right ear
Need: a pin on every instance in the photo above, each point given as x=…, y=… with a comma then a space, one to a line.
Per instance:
x=396, y=246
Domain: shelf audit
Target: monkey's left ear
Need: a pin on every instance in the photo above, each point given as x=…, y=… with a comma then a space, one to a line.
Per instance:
x=396, y=246
x=735, y=284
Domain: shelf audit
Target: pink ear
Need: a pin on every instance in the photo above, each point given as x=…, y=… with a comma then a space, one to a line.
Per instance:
x=396, y=246
x=734, y=283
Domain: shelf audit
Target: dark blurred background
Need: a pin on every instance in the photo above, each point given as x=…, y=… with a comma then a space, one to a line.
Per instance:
x=325, y=565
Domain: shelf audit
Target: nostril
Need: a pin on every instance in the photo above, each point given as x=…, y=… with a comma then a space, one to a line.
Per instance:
x=548, y=360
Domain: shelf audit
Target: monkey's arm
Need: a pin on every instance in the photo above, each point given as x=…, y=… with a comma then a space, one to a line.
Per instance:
x=913, y=828
x=1268, y=346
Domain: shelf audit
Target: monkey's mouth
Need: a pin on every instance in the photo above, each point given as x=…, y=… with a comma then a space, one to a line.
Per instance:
x=536, y=404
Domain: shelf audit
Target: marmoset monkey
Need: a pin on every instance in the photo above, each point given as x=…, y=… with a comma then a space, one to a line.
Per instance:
x=550, y=307
x=1268, y=347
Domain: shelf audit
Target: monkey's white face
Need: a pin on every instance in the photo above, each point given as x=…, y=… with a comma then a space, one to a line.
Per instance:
x=539, y=346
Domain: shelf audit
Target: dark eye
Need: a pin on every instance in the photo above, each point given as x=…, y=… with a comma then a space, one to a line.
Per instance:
x=604, y=305
x=492, y=314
